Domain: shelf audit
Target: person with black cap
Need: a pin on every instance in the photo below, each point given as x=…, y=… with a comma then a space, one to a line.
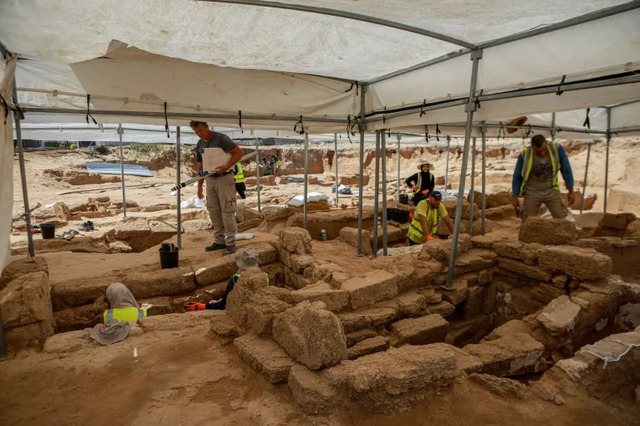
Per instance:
x=421, y=183
x=424, y=225
x=245, y=259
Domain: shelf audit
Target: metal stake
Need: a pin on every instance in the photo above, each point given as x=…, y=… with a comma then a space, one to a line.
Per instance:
x=446, y=169
x=384, y=193
x=335, y=162
x=584, y=184
x=484, y=176
x=124, y=195
x=363, y=89
x=306, y=177
x=470, y=108
x=472, y=198
x=23, y=177
x=606, y=163
x=178, y=195
x=376, y=194
x=398, y=182
x=258, y=171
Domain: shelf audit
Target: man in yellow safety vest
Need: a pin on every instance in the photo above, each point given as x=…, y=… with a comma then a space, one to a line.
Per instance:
x=238, y=174
x=424, y=225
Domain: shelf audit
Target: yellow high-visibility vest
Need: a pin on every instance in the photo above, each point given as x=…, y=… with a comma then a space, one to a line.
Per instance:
x=123, y=314
x=419, y=182
x=239, y=177
x=527, y=156
x=415, y=232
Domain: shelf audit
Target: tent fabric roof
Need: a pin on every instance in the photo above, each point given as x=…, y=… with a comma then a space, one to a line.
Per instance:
x=217, y=58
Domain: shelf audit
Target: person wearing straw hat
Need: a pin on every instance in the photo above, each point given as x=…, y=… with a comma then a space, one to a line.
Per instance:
x=536, y=179
x=245, y=259
x=123, y=308
x=424, y=225
x=421, y=183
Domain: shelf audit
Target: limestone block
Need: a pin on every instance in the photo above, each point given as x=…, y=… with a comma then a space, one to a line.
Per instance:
x=264, y=356
x=311, y=335
x=311, y=391
x=21, y=267
x=394, y=380
x=432, y=297
x=559, y=316
x=163, y=282
x=464, y=361
x=618, y=221
x=68, y=342
x=510, y=355
x=349, y=236
x=485, y=277
x=359, y=335
x=425, y=274
x=545, y=293
x=296, y=262
x=29, y=335
x=509, y=328
x=80, y=316
x=577, y=262
x=26, y=300
x=528, y=253
x=373, y=287
x=547, y=231
x=195, y=322
x=410, y=303
x=420, y=331
x=224, y=327
x=457, y=293
x=474, y=302
x=295, y=240
x=443, y=308
x=291, y=279
x=633, y=227
x=244, y=226
x=487, y=241
x=243, y=292
x=540, y=273
x=61, y=210
x=441, y=249
x=501, y=386
x=628, y=316
x=368, y=346
x=474, y=260
x=335, y=300
x=490, y=303
x=260, y=312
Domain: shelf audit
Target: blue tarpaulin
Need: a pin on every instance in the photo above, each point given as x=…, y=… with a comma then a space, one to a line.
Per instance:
x=114, y=169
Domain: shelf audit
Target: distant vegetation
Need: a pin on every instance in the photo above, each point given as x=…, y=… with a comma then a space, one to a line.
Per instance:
x=144, y=148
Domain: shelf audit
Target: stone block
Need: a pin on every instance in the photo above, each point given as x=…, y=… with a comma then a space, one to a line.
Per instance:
x=559, y=316
x=485, y=277
x=510, y=355
x=195, y=322
x=410, y=303
x=359, y=335
x=80, y=316
x=441, y=249
x=420, y=331
x=487, y=241
x=29, y=335
x=457, y=293
x=264, y=356
x=260, y=312
x=501, y=386
x=61, y=210
x=548, y=231
x=431, y=296
x=21, y=267
x=528, y=253
x=298, y=281
x=368, y=346
x=474, y=260
x=335, y=300
x=243, y=292
x=443, y=309
x=490, y=303
x=509, y=328
x=474, y=302
x=71, y=341
x=295, y=240
x=296, y=262
x=349, y=236
x=628, y=316
x=224, y=267
x=618, y=221
x=311, y=335
x=539, y=273
x=577, y=262
x=311, y=391
x=224, y=327
x=395, y=380
x=26, y=300
x=163, y=282
x=375, y=286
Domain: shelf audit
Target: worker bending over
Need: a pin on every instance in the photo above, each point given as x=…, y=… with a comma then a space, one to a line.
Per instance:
x=421, y=183
x=123, y=309
x=238, y=174
x=536, y=178
x=424, y=225
x=245, y=259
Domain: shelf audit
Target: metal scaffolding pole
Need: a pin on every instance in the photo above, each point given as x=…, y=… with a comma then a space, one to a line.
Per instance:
x=484, y=177
x=258, y=172
x=398, y=181
x=470, y=108
x=606, y=162
x=376, y=194
x=306, y=178
x=553, y=126
x=23, y=176
x=472, y=197
x=446, y=168
x=124, y=192
x=363, y=90
x=384, y=192
x=335, y=162
x=178, y=195
x=584, y=183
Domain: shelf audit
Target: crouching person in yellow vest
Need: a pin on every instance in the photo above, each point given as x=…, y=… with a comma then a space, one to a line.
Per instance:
x=238, y=174
x=123, y=309
x=424, y=225
x=245, y=259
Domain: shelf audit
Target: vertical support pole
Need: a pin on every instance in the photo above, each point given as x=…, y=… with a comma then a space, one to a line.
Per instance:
x=124, y=194
x=586, y=171
x=472, y=190
x=3, y=345
x=606, y=163
x=363, y=90
x=306, y=177
x=398, y=181
x=335, y=162
x=446, y=169
x=258, y=171
x=484, y=176
x=178, y=194
x=476, y=55
x=23, y=176
x=384, y=193
x=376, y=194
x=553, y=126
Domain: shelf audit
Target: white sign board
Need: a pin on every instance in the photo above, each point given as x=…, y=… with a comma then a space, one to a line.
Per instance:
x=212, y=158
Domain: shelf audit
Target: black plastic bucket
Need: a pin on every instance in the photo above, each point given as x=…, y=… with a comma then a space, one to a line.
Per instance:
x=48, y=230
x=169, y=256
x=400, y=216
x=404, y=199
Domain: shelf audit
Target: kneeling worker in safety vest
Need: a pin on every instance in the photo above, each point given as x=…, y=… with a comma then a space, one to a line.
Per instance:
x=245, y=259
x=424, y=225
x=123, y=309
x=238, y=174
x=536, y=178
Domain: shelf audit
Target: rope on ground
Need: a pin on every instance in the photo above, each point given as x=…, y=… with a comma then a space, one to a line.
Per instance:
x=611, y=358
